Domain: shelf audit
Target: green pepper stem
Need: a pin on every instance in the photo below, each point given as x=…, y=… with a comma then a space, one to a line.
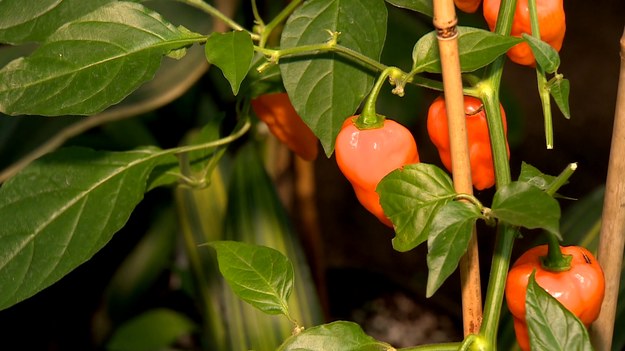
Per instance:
x=369, y=118
x=561, y=179
x=555, y=261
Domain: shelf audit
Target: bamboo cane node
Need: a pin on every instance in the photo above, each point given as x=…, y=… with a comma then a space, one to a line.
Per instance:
x=447, y=31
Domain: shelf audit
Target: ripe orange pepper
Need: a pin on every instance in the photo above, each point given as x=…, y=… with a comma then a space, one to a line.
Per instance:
x=580, y=289
x=480, y=153
x=468, y=6
x=551, y=21
x=365, y=156
x=283, y=121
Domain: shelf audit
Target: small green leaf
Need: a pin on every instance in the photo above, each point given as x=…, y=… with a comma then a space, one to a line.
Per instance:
x=410, y=197
x=259, y=275
x=535, y=177
x=559, y=89
x=153, y=330
x=550, y=325
x=546, y=56
x=91, y=63
x=40, y=18
x=477, y=48
x=62, y=209
x=449, y=238
x=522, y=204
x=335, y=336
x=232, y=52
x=422, y=6
x=327, y=90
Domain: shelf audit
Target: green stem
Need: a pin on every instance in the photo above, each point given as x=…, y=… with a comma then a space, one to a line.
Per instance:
x=330, y=46
x=199, y=4
x=506, y=234
x=504, y=242
x=555, y=261
x=369, y=118
x=561, y=179
x=281, y=17
x=245, y=126
x=541, y=79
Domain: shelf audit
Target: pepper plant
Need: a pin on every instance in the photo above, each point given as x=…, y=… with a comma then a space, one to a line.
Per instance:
x=62, y=208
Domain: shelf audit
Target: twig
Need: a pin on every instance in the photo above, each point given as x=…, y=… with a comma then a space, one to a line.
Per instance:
x=445, y=21
x=612, y=236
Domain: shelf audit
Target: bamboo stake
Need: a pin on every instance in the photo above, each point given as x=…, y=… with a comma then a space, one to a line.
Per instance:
x=445, y=21
x=612, y=236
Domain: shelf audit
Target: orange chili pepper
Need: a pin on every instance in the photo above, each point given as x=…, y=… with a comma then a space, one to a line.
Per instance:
x=283, y=121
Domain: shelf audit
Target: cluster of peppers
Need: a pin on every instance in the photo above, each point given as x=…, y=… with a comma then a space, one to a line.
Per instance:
x=366, y=154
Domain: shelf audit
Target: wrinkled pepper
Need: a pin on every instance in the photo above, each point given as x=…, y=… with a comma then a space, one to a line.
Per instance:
x=580, y=288
x=365, y=156
x=480, y=154
x=285, y=124
x=468, y=6
x=551, y=21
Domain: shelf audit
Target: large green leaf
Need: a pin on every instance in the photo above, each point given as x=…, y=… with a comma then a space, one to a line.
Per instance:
x=232, y=52
x=522, y=204
x=326, y=89
x=449, y=237
x=58, y=212
x=91, y=63
x=550, y=325
x=477, y=48
x=33, y=20
x=336, y=336
x=423, y=6
x=259, y=275
x=410, y=197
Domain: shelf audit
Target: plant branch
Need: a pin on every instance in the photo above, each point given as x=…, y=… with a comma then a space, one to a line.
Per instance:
x=199, y=4
x=612, y=240
x=281, y=17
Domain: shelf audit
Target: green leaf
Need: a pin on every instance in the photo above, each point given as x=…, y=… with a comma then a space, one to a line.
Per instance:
x=153, y=330
x=59, y=211
x=232, y=52
x=410, y=197
x=449, y=237
x=535, y=177
x=39, y=19
x=550, y=325
x=522, y=204
x=477, y=48
x=559, y=89
x=259, y=275
x=422, y=6
x=546, y=56
x=328, y=89
x=91, y=63
x=335, y=336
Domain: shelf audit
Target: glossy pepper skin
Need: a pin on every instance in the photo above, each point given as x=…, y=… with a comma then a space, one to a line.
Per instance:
x=365, y=156
x=551, y=21
x=285, y=124
x=468, y=6
x=580, y=289
x=480, y=154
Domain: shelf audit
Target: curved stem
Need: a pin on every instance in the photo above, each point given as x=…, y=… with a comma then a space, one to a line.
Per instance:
x=199, y=4
x=369, y=119
x=223, y=141
x=281, y=17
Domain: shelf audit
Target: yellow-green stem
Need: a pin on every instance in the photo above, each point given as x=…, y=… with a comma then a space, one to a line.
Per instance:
x=199, y=4
x=369, y=118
